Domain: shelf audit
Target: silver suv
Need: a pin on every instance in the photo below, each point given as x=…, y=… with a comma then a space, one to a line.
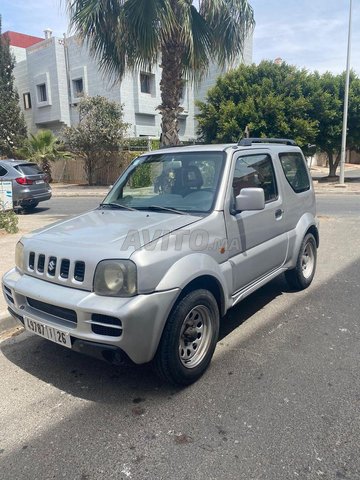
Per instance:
x=184, y=235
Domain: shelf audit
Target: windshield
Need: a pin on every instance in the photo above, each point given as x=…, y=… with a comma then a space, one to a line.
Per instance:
x=184, y=182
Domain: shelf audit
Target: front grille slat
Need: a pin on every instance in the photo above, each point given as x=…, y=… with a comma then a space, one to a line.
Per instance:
x=60, y=312
x=32, y=260
x=41, y=263
x=65, y=268
x=79, y=271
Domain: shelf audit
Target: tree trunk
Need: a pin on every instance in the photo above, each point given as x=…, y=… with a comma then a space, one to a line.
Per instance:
x=333, y=163
x=89, y=170
x=171, y=86
x=46, y=168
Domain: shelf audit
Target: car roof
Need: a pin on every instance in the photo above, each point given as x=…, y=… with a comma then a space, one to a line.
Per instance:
x=13, y=163
x=277, y=147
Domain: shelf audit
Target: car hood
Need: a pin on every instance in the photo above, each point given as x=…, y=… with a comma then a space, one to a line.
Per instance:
x=115, y=233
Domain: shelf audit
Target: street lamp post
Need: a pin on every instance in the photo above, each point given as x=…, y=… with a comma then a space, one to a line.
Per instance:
x=346, y=104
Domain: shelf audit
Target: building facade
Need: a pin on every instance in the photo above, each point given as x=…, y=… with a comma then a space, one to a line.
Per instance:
x=52, y=74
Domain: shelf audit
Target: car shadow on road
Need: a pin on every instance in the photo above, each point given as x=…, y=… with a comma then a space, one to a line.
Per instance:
x=85, y=377
x=251, y=305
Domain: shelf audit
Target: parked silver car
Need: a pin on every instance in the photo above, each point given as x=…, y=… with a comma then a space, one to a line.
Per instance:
x=184, y=235
x=29, y=183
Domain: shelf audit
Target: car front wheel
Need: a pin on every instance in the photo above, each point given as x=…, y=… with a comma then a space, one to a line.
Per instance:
x=189, y=338
x=302, y=275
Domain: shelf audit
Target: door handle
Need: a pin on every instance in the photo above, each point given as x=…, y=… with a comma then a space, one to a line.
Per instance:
x=278, y=213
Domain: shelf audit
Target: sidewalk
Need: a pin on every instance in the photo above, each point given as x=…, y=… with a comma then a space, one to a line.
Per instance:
x=322, y=184
x=28, y=223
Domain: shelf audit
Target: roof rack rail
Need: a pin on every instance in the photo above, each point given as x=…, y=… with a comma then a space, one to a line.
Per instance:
x=247, y=142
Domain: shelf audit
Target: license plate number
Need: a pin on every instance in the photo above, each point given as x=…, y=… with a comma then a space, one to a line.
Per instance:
x=39, y=181
x=51, y=333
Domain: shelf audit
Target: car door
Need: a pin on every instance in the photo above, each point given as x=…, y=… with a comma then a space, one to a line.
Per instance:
x=257, y=240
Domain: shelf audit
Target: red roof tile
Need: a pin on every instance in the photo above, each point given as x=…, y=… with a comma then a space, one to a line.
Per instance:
x=21, y=40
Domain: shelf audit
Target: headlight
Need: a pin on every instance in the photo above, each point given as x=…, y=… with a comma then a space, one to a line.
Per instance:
x=19, y=256
x=115, y=278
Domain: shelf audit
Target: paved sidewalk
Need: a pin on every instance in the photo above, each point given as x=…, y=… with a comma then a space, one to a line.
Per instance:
x=28, y=223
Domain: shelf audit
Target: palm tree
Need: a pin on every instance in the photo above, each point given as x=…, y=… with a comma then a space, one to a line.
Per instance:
x=133, y=34
x=43, y=148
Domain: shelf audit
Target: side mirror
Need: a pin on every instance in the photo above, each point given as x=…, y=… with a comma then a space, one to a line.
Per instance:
x=250, y=199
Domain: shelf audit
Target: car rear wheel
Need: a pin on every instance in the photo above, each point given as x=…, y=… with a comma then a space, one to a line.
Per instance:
x=302, y=275
x=189, y=339
x=31, y=207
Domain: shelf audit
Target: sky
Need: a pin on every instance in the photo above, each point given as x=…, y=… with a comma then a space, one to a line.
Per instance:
x=310, y=34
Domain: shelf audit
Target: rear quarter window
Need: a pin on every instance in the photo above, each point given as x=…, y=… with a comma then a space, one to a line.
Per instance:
x=295, y=171
x=3, y=171
x=28, y=169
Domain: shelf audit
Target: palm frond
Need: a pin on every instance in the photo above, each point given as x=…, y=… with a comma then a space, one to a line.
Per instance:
x=196, y=38
x=231, y=21
x=122, y=34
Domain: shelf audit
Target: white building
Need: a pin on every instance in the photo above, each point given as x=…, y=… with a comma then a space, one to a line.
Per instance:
x=51, y=75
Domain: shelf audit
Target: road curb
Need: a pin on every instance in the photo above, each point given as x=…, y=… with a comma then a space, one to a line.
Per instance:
x=7, y=322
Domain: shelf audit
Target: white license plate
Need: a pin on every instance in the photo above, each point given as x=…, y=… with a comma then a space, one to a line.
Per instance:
x=51, y=333
x=39, y=181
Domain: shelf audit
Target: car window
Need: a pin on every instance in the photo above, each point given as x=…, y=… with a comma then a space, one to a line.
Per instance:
x=295, y=171
x=3, y=171
x=186, y=181
x=255, y=171
x=28, y=169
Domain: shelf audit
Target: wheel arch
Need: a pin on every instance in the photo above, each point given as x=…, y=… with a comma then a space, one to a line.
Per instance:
x=315, y=232
x=206, y=282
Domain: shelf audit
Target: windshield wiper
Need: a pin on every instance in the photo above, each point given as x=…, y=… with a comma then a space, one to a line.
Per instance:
x=117, y=205
x=165, y=209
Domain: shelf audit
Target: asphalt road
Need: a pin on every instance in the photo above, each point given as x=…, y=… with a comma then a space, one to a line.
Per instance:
x=335, y=205
x=280, y=401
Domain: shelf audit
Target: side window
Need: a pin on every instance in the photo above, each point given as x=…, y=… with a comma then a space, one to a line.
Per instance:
x=295, y=171
x=255, y=171
x=2, y=171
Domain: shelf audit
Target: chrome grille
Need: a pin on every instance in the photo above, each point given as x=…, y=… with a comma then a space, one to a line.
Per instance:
x=55, y=267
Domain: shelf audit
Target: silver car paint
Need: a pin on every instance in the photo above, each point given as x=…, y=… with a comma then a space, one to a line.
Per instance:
x=165, y=264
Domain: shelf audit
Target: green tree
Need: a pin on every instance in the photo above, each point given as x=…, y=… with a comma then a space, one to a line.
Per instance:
x=282, y=101
x=133, y=34
x=43, y=148
x=98, y=135
x=328, y=105
x=271, y=100
x=12, y=124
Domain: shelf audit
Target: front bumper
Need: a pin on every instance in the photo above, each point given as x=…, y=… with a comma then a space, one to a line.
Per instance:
x=142, y=317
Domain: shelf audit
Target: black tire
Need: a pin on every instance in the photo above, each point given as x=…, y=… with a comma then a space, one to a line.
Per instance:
x=30, y=208
x=189, y=339
x=302, y=275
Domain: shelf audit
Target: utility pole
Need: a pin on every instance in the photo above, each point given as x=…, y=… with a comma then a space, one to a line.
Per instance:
x=346, y=105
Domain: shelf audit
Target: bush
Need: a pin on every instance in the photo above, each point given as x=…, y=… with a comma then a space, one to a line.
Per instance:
x=142, y=176
x=8, y=221
x=140, y=143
